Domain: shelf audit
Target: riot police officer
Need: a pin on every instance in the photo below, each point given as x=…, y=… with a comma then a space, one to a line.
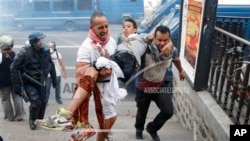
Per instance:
x=29, y=70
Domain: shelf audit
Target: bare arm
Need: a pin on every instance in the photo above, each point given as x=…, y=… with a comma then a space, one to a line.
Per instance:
x=177, y=63
x=83, y=68
x=61, y=63
x=166, y=50
x=80, y=64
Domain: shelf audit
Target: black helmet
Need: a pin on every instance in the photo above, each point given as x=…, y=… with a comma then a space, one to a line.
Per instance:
x=6, y=42
x=52, y=44
x=33, y=37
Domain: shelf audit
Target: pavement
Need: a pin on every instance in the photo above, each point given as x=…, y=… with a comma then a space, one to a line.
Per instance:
x=123, y=130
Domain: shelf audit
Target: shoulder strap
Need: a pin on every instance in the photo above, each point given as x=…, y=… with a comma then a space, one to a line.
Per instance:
x=57, y=55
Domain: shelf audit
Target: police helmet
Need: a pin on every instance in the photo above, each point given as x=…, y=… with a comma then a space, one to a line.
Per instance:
x=52, y=44
x=35, y=36
x=6, y=42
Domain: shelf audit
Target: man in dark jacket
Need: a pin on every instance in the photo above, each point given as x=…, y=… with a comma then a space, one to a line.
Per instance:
x=13, y=109
x=29, y=70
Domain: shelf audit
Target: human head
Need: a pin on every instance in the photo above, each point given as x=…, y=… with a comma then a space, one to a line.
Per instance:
x=129, y=27
x=36, y=39
x=52, y=46
x=6, y=42
x=161, y=36
x=99, y=25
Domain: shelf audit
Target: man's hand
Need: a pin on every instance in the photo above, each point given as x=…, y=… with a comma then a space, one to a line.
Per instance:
x=149, y=38
x=182, y=76
x=54, y=83
x=104, y=73
x=65, y=75
x=16, y=89
x=92, y=72
x=167, y=49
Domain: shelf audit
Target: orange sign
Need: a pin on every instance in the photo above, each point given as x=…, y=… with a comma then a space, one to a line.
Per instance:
x=193, y=27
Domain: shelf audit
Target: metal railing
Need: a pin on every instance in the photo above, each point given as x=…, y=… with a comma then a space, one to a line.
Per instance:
x=229, y=81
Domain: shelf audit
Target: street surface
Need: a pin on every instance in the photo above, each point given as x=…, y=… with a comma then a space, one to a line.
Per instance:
x=123, y=129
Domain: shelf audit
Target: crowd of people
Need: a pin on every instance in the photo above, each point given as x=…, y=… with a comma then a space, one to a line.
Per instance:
x=102, y=65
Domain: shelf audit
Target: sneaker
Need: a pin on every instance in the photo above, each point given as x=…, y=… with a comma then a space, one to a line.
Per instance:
x=54, y=121
x=69, y=127
x=110, y=136
x=153, y=135
x=78, y=125
x=59, y=101
x=64, y=113
x=83, y=134
x=138, y=134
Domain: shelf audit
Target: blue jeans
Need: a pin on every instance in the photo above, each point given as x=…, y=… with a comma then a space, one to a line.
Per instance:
x=57, y=89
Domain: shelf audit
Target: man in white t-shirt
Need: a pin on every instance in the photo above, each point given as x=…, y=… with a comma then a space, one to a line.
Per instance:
x=59, y=66
x=98, y=43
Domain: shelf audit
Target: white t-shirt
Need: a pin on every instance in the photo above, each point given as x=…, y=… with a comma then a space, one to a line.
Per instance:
x=55, y=60
x=89, y=53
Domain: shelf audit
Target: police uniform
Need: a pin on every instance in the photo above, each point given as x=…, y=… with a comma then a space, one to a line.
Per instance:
x=30, y=69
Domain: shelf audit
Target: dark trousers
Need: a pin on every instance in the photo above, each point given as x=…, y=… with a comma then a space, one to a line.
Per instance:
x=37, y=97
x=163, y=100
x=126, y=62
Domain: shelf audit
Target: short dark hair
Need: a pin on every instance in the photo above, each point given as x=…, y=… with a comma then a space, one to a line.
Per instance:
x=93, y=16
x=162, y=29
x=132, y=21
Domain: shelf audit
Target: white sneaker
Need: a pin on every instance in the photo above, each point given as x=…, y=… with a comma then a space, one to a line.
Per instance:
x=110, y=136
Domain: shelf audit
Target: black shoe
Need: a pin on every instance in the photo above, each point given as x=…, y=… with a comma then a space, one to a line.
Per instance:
x=59, y=101
x=138, y=135
x=153, y=135
x=32, y=125
x=20, y=119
